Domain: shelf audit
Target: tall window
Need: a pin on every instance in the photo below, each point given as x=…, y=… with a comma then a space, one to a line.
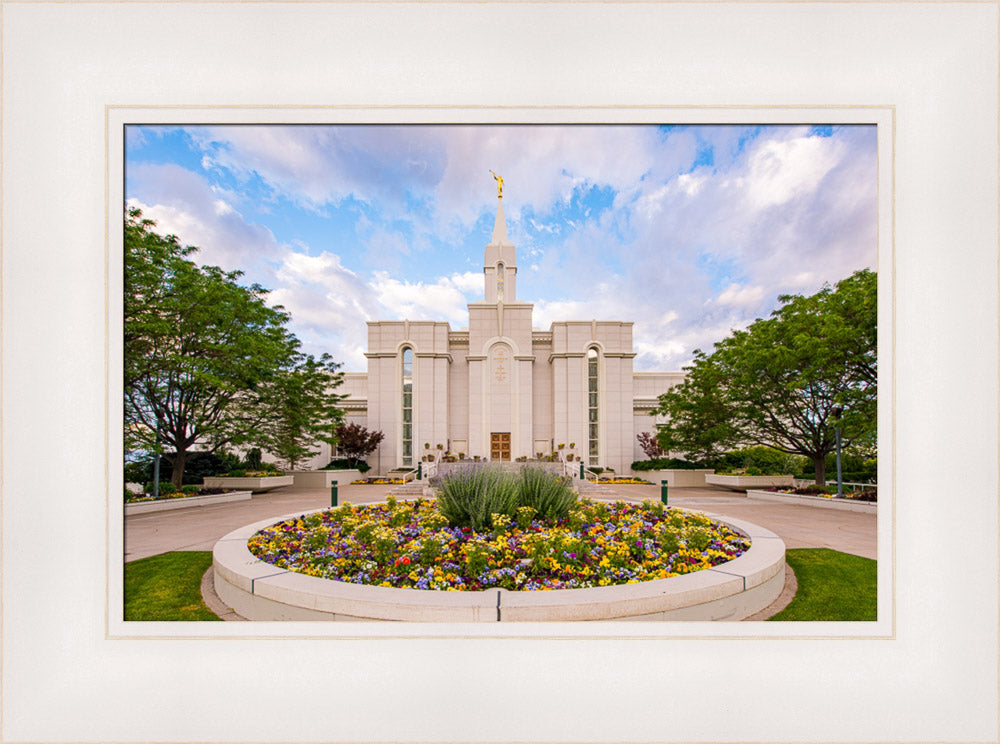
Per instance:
x=500, y=278
x=592, y=410
x=407, y=406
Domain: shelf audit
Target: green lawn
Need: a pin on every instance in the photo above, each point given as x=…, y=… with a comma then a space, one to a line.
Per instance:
x=167, y=587
x=832, y=586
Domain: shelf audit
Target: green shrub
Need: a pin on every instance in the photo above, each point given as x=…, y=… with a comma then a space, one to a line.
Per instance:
x=252, y=460
x=197, y=466
x=814, y=489
x=469, y=497
x=665, y=463
x=140, y=471
x=166, y=488
x=547, y=493
x=238, y=473
x=190, y=488
x=762, y=461
x=854, y=468
x=344, y=463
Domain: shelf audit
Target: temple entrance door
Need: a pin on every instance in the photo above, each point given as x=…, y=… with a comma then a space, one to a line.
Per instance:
x=500, y=446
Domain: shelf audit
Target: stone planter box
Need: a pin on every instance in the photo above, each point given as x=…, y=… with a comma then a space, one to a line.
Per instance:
x=731, y=591
x=257, y=484
x=866, y=507
x=141, y=507
x=323, y=478
x=744, y=482
x=675, y=477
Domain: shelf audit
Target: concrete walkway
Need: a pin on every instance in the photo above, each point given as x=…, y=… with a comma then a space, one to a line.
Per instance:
x=198, y=528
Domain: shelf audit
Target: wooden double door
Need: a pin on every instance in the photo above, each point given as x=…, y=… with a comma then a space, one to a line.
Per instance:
x=500, y=445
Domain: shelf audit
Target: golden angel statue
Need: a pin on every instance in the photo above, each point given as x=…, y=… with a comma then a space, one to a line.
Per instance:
x=499, y=180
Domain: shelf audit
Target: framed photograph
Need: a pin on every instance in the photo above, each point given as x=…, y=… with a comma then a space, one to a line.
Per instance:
x=352, y=154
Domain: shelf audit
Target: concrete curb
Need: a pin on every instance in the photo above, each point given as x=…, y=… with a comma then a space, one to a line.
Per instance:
x=142, y=507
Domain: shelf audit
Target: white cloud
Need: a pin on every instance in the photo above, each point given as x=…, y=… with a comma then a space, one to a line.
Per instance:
x=182, y=203
x=783, y=170
x=741, y=296
x=774, y=210
x=446, y=299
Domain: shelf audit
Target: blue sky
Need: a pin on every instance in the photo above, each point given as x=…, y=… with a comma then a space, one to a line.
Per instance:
x=688, y=231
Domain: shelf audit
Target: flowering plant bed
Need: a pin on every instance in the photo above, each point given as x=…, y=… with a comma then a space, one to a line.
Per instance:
x=868, y=494
x=825, y=501
x=378, y=482
x=410, y=545
x=145, y=497
x=624, y=481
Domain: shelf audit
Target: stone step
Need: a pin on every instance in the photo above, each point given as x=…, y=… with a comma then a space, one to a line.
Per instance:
x=409, y=490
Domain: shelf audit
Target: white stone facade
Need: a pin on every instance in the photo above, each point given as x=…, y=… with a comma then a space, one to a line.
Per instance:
x=502, y=389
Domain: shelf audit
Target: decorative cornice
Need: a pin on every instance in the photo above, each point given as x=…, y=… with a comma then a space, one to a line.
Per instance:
x=524, y=358
x=433, y=355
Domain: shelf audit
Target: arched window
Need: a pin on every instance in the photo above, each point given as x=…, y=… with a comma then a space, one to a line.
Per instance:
x=500, y=278
x=593, y=416
x=407, y=406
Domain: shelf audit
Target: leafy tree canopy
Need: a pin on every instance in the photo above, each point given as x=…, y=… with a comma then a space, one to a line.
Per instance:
x=786, y=382
x=206, y=359
x=304, y=408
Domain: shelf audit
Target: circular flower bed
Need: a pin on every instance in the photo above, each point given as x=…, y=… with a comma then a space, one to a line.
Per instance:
x=410, y=545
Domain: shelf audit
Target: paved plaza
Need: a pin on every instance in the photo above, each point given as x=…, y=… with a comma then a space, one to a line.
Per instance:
x=198, y=528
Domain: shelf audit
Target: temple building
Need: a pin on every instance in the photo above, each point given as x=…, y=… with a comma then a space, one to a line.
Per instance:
x=502, y=389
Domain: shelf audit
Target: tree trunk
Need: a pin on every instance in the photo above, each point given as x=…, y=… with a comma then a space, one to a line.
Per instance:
x=177, y=476
x=819, y=461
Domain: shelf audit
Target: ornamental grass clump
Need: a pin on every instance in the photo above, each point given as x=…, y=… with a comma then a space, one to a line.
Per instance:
x=470, y=497
x=547, y=493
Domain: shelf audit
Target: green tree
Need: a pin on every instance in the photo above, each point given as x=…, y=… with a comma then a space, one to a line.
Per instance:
x=303, y=408
x=357, y=442
x=201, y=351
x=787, y=381
x=700, y=421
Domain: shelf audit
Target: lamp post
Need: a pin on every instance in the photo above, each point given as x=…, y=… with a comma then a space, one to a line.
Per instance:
x=156, y=462
x=837, y=411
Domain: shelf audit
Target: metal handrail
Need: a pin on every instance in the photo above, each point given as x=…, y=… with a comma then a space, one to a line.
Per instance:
x=800, y=482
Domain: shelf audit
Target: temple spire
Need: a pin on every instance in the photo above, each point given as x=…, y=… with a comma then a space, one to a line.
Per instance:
x=500, y=226
x=500, y=264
